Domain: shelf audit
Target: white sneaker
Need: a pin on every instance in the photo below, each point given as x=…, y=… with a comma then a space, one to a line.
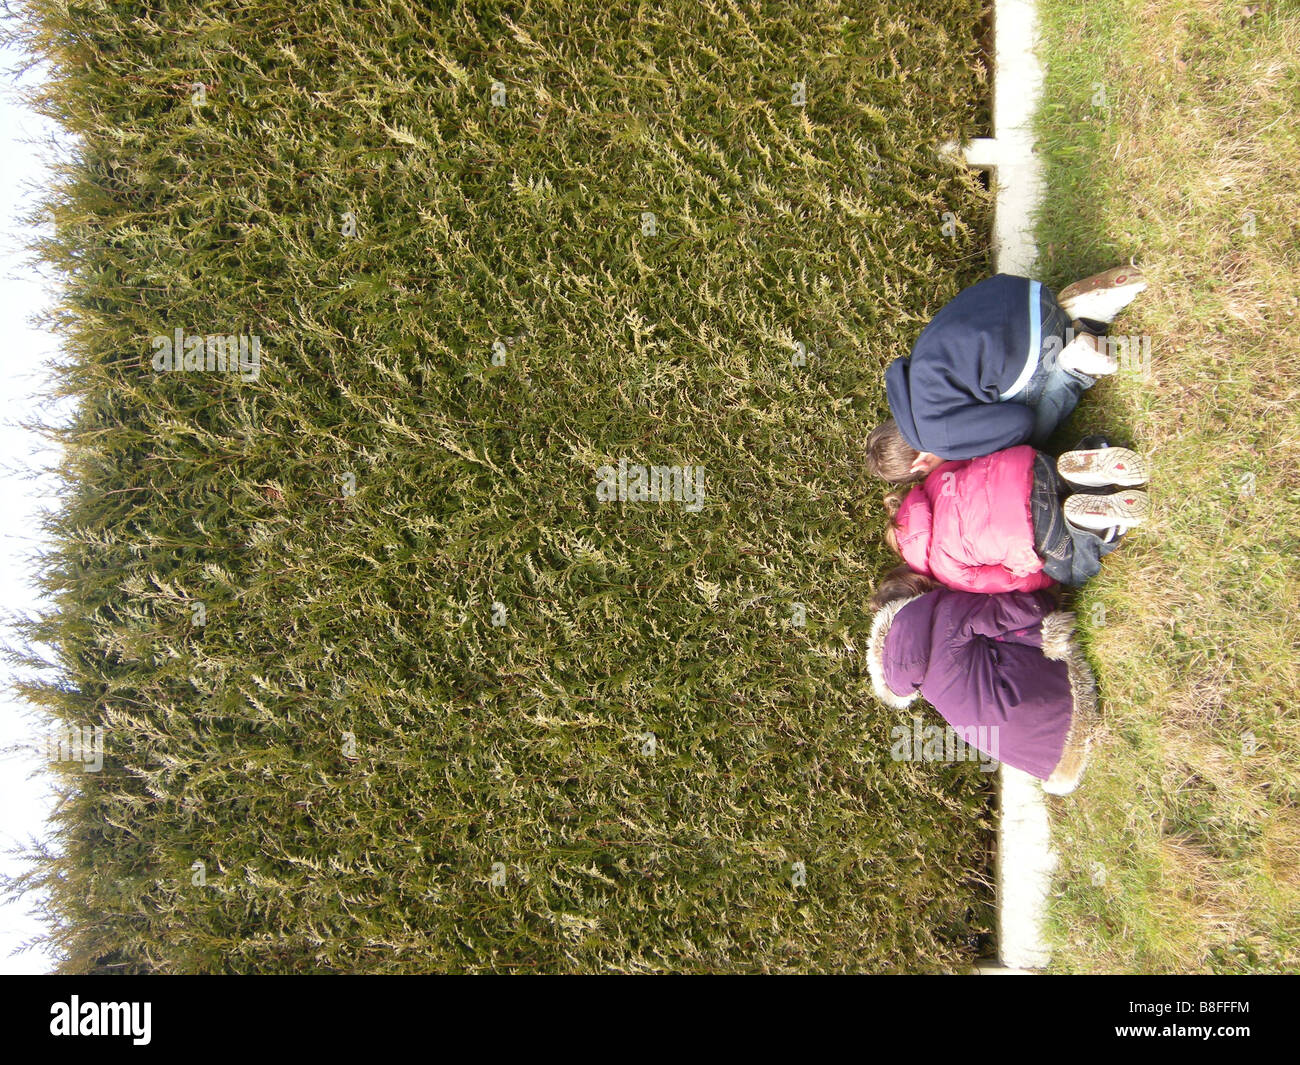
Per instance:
x=1099, y=467
x=1087, y=354
x=1101, y=297
x=1121, y=510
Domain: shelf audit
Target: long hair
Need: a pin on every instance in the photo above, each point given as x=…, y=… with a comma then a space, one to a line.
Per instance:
x=892, y=502
x=901, y=582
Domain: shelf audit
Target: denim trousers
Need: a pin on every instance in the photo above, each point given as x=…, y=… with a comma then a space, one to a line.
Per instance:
x=1052, y=392
x=1070, y=555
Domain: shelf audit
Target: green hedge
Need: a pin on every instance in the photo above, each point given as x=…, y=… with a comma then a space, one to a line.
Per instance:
x=275, y=590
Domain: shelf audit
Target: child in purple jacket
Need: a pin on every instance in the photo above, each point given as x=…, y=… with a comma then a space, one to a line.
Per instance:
x=1007, y=662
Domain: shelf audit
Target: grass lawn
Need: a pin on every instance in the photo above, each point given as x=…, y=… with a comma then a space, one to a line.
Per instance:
x=1170, y=135
x=384, y=686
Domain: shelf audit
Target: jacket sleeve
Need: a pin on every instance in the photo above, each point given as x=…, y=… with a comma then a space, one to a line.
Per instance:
x=976, y=429
x=1001, y=580
x=1015, y=617
x=989, y=579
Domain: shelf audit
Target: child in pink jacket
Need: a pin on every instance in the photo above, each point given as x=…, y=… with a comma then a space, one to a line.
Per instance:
x=1015, y=521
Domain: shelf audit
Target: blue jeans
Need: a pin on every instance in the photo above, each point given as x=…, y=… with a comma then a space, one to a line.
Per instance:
x=1070, y=555
x=1052, y=392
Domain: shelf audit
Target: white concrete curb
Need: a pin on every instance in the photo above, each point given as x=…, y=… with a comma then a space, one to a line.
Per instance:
x=1025, y=856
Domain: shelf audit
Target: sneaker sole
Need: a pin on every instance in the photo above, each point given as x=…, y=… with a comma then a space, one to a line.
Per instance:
x=1100, y=513
x=1102, y=466
x=1100, y=297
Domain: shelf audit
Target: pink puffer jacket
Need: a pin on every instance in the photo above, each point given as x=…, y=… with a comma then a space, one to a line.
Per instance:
x=968, y=525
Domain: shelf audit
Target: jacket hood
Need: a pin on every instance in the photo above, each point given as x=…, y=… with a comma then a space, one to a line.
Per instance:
x=898, y=390
x=1059, y=644
x=885, y=675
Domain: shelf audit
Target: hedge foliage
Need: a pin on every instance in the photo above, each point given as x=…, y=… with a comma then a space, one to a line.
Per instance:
x=384, y=686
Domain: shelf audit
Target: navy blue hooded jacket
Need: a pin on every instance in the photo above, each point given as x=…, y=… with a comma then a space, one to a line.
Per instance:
x=956, y=395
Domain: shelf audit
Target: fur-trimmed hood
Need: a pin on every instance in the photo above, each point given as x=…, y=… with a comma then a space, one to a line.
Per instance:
x=1060, y=644
x=880, y=626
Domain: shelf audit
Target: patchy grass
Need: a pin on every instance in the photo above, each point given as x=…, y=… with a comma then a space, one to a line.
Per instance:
x=1182, y=853
x=445, y=709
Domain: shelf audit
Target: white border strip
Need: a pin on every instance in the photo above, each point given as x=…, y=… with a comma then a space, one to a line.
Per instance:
x=1025, y=856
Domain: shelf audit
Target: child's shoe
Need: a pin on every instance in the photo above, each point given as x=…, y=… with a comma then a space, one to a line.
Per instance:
x=1123, y=510
x=1087, y=355
x=1103, y=295
x=1101, y=466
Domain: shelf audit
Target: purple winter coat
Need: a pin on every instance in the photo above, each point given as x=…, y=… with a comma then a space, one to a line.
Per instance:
x=1007, y=660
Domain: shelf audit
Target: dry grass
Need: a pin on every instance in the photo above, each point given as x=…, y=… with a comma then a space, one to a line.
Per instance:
x=1180, y=855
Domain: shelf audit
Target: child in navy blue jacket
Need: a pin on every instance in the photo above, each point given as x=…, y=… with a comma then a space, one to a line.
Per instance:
x=998, y=366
